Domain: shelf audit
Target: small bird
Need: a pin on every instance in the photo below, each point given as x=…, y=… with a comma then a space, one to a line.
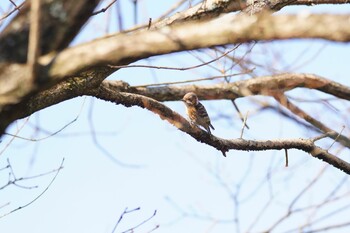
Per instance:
x=196, y=111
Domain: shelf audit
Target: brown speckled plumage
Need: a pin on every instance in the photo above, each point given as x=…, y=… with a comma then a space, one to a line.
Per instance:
x=196, y=111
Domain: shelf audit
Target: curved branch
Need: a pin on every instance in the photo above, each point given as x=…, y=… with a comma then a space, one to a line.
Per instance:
x=284, y=101
x=266, y=85
x=120, y=49
x=125, y=48
x=220, y=144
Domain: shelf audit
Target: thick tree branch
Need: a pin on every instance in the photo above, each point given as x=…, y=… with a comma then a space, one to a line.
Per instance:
x=220, y=144
x=266, y=85
x=117, y=93
x=73, y=87
x=269, y=85
x=63, y=21
x=212, y=8
x=125, y=48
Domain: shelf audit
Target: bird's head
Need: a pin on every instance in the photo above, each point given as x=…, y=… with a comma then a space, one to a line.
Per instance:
x=190, y=99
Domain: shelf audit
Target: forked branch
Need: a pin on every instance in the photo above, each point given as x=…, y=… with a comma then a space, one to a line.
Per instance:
x=223, y=145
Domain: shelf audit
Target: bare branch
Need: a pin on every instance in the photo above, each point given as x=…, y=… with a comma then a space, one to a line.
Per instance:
x=286, y=156
x=126, y=211
x=203, y=10
x=190, y=81
x=265, y=85
x=140, y=224
x=63, y=20
x=283, y=100
x=50, y=134
x=177, y=68
x=220, y=144
x=13, y=179
x=17, y=8
x=49, y=185
x=125, y=48
x=244, y=121
x=34, y=39
x=104, y=9
x=291, y=210
x=132, y=229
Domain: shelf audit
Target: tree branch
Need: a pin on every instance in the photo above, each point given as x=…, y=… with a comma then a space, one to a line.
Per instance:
x=125, y=48
x=63, y=21
x=266, y=85
x=283, y=100
x=34, y=39
x=120, y=49
x=220, y=144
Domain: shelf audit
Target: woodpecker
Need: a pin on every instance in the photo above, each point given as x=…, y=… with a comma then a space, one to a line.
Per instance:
x=196, y=112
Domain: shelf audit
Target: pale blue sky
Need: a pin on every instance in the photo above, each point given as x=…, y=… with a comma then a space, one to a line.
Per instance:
x=190, y=184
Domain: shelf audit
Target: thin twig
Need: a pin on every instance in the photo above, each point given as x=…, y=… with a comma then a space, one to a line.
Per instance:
x=149, y=23
x=4, y=168
x=140, y=224
x=188, y=81
x=284, y=101
x=104, y=9
x=13, y=3
x=135, y=11
x=3, y=205
x=171, y=9
x=43, y=138
x=155, y=228
x=12, y=11
x=14, y=136
x=15, y=179
x=51, y=134
x=126, y=211
x=331, y=227
x=31, y=202
x=244, y=124
x=101, y=147
x=291, y=210
x=239, y=61
x=173, y=68
x=335, y=140
x=34, y=38
x=239, y=112
x=322, y=136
